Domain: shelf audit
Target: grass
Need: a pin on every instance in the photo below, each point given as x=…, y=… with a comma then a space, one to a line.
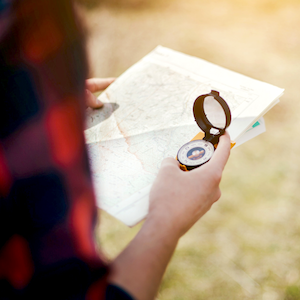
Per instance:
x=247, y=246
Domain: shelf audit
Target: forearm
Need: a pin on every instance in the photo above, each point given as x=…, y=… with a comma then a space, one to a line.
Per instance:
x=140, y=267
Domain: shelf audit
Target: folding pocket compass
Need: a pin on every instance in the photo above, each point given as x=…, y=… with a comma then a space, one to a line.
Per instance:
x=212, y=114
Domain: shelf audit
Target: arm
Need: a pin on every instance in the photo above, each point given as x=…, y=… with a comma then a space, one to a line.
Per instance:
x=177, y=200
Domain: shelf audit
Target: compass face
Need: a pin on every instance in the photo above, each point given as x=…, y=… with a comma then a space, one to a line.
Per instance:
x=195, y=153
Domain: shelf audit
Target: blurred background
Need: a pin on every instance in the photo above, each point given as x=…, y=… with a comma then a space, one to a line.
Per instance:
x=248, y=245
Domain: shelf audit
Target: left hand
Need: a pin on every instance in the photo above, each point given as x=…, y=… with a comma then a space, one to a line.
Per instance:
x=94, y=85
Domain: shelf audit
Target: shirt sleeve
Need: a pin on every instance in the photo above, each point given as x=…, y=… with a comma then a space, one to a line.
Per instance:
x=47, y=204
x=114, y=292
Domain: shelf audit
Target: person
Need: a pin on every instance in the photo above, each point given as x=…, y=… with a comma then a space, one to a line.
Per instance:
x=47, y=204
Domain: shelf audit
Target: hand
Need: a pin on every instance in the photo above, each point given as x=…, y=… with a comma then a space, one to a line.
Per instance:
x=94, y=85
x=178, y=199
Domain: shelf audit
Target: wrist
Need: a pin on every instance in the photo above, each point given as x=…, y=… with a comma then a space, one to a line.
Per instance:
x=162, y=227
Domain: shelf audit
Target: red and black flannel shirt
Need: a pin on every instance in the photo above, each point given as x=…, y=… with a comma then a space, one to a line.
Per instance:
x=47, y=204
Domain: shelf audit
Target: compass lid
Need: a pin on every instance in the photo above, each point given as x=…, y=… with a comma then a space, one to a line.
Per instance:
x=212, y=114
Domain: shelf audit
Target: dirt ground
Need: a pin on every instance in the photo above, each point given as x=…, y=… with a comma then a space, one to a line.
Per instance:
x=248, y=245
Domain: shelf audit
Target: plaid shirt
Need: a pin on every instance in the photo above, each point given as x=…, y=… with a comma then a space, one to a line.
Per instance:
x=47, y=204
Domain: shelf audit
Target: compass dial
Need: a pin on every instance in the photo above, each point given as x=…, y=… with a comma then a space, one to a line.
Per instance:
x=195, y=153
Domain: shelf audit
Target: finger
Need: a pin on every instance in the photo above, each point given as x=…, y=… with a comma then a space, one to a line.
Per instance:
x=91, y=100
x=170, y=161
x=222, y=152
x=98, y=84
x=217, y=195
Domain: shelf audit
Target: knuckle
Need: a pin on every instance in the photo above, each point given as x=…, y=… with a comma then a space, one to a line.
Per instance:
x=218, y=177
x=217, y=195
x=215, y=176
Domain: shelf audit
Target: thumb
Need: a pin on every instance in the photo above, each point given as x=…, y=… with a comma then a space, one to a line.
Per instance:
x=222, y=152
x=98, y=84
x=91, y=100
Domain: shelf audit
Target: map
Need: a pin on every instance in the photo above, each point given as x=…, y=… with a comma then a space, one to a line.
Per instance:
x=148, y=115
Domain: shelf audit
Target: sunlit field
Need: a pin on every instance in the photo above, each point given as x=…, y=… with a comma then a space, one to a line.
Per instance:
x=248, y=245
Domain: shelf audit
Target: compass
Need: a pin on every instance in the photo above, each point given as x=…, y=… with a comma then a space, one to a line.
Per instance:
x=212, y=114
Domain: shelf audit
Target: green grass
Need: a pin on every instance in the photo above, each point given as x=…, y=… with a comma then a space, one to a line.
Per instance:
x=292, y=293
x=247, y=246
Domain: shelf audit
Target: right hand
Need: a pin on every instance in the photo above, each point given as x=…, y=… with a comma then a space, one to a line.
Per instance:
x=178, y=199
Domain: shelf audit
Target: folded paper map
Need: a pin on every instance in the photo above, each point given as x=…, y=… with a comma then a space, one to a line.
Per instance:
x=148, y=115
